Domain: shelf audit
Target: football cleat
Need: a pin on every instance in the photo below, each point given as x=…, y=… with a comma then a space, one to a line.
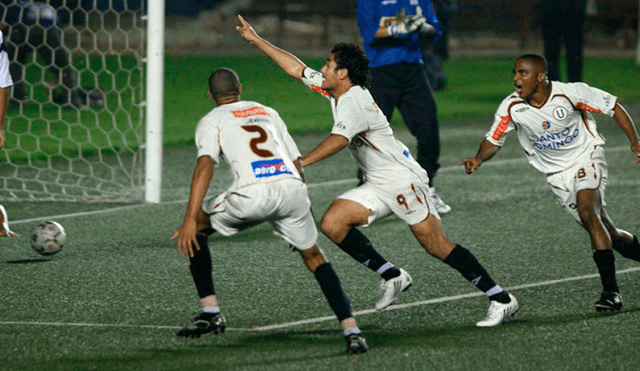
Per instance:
x=609, y=301
x=390, y=289
x=498, y=312
x=204, y=323
x=356, y=344
x=441, y=207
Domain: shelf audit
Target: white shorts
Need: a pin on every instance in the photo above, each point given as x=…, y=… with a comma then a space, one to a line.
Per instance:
x=409, y=201
x=284, y=204
x=589, y=172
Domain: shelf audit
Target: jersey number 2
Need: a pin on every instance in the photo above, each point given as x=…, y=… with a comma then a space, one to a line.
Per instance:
x=259, y=140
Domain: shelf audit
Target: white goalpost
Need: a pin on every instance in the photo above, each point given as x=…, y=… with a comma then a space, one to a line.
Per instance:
x=86, y=124
x=155, y=101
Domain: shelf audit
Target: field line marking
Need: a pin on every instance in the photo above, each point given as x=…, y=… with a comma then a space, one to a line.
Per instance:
x=326, y=318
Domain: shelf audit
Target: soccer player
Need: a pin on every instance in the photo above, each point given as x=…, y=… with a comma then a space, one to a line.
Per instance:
x=556, y=128
x=268, y=186
x=395, y=182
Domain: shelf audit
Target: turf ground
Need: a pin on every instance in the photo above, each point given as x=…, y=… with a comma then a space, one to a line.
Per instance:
x=114, y=296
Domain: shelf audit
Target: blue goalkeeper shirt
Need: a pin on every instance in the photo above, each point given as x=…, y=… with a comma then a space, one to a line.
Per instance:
x=392, y=50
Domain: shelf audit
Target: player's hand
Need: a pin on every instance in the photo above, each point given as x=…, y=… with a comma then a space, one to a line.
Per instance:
x=2, y=139
x=470, y=164
x=186, y=236
x=403, y=28
x=635, y=147
x=246, y=31
x=424, y=27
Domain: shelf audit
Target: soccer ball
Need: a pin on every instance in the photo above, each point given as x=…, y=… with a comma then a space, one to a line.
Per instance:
x=48, y=238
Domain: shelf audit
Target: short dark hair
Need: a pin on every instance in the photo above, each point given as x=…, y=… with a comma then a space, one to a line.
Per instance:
x=536, y=59
x=353, y=58
x=224, y=82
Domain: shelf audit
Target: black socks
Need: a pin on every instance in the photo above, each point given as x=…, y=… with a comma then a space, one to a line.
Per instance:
x=464, y=262
x=358, y=246
x=606, y=266
x=330, y=285
x=201, y=268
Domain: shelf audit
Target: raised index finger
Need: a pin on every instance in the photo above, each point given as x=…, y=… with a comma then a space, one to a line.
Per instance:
x=244, y=23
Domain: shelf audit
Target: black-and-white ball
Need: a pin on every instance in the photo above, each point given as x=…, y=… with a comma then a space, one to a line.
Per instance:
x=48, y=238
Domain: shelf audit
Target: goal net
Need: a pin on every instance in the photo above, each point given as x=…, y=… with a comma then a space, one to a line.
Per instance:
x=74, y=126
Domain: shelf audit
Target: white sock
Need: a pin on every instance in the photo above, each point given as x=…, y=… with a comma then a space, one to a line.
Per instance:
x=352, y=331
x=212, y=310
x=432, y=191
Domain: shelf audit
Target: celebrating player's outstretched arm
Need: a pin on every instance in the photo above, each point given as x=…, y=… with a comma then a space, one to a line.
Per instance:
x=285, y=60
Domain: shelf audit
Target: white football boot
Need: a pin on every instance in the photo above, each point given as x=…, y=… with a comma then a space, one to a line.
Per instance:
x=498, y=312
x=390, y=289
x=441, y=207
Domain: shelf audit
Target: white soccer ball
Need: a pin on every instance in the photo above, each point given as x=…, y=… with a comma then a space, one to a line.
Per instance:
x=48, y=238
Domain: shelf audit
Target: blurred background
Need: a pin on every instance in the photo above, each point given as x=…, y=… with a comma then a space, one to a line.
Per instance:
x=477, y=27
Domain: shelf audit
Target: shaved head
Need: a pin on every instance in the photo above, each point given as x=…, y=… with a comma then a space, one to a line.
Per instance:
x=224, y=82
x=537, y=60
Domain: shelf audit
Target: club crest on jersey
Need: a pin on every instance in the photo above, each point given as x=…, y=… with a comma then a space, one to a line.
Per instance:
x=546, y=125
x=560, y=113
x=268, y=168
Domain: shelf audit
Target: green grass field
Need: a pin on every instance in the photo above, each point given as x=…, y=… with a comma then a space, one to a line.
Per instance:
x=114, y=296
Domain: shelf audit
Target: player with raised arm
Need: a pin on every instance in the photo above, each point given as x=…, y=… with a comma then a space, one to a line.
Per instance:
x=556, y=128
x=268, y=186
x=395, y=182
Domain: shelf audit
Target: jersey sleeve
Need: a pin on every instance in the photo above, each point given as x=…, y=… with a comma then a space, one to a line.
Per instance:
x=207, y=139
x=313, y=79
x=502, y=124
x=5, y=76
x=430, y=16
x=367, y=22
x=588, y=98
x=350, y=118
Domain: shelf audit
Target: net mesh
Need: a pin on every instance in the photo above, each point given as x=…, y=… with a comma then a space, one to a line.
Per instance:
x=74, y=126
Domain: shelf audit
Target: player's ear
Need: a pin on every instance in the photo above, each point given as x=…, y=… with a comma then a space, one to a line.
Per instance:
x=240, y=89
x=210, y=94
x=343, y=73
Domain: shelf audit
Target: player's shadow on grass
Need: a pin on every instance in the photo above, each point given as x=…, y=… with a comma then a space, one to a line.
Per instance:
x=28, y=261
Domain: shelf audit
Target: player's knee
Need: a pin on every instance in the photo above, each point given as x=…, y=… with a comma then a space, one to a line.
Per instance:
x=329, y=227
x=313, y=257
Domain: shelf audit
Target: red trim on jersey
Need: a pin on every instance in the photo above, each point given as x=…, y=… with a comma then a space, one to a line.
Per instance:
x=253, y=111
x=502, y=127
x=318, y=89
x=588, y=108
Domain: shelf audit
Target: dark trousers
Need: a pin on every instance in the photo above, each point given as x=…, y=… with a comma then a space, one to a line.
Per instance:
x=405, y=86
x=558, y=27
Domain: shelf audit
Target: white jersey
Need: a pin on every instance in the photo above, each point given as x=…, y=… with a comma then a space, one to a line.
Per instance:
x=382, y=158
x=252, y=139
x=555, y=135
x=5, y=77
